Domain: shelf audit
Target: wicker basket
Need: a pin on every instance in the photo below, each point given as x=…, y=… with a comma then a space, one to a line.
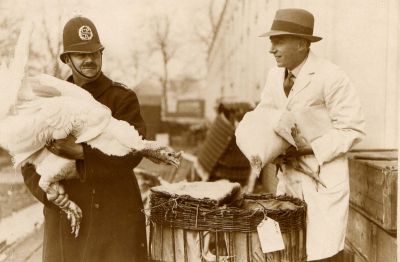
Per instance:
x=182, y=220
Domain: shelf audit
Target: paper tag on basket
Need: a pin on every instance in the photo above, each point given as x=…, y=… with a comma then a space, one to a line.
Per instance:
x=270, y=236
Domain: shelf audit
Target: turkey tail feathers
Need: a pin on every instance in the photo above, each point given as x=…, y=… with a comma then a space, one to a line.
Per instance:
x=11, y=78
x=21, y=52
x=7, y=98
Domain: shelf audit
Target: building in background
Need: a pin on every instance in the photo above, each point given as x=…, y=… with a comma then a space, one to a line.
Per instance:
x=185, y=100
x=183, y=124
x=360, y=36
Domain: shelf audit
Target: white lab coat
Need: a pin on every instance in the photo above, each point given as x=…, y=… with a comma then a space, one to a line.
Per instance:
x=321, y=85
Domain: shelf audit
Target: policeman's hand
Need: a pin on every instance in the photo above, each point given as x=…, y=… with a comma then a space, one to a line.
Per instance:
x=66, y=148
x=62, y=201
x=57, y=195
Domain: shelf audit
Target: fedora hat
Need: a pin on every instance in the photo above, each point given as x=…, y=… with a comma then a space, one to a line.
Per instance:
x=292, y=21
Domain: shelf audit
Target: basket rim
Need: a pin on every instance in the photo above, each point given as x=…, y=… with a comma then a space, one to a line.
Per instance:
x=194, y=214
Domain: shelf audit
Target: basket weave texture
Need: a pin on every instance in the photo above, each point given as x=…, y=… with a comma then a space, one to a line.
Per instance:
x=188, y=213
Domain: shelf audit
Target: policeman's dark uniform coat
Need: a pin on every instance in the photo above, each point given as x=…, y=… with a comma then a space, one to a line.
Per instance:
x=113, y=225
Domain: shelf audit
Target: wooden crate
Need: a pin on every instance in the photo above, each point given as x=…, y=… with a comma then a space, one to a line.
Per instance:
x=373, y=188
x=369, y=242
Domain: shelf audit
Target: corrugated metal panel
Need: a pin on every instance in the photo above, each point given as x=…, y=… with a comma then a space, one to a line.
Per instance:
x=233, y=157
x=218, y=139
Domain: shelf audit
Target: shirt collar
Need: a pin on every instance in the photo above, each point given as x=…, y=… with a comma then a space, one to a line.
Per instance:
x=97, y=87
x=297, y=70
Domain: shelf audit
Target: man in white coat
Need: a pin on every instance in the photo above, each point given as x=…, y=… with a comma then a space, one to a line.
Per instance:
x=303, y=82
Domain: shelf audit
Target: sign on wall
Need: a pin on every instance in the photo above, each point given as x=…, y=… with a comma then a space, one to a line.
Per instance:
x=189, y=108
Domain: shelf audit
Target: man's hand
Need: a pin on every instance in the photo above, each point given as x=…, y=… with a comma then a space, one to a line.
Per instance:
x=300, y=141
x=293, y=152
x=290, y=154
x=66, y=148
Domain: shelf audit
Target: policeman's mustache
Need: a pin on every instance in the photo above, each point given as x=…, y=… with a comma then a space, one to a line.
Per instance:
x=89, y=65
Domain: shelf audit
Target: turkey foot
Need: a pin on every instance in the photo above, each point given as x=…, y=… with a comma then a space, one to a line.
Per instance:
x=74, y=213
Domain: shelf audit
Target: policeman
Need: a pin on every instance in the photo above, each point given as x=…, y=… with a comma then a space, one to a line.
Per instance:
x=113, y=226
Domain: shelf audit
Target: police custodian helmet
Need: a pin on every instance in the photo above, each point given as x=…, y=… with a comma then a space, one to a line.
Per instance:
x=80, y=36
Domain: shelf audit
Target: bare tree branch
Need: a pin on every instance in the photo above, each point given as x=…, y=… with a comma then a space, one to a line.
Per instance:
x=204, y=38
x=214, y=22
x=212, y=18
x=162, y=44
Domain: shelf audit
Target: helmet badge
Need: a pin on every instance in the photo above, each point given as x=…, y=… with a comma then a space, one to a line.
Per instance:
x=85, y=33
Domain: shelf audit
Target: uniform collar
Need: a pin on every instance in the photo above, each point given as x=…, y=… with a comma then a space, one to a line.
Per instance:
x=97, y=87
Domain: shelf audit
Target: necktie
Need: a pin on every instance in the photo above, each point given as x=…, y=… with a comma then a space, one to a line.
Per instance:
x=288, y=83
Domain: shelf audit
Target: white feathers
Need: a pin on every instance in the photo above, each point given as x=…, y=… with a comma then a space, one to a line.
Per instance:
x=11, y=77
x=73, y=111
x=256, y=137
x=44, y=119
x=99, y=129
x=87, y=116
x=118, y=138
x=53, y=86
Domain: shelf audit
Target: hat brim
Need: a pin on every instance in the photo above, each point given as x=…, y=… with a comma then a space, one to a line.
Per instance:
x=82, y=48
x=276, y=33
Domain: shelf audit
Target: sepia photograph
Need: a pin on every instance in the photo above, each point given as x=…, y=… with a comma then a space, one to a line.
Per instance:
x=199, y=130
